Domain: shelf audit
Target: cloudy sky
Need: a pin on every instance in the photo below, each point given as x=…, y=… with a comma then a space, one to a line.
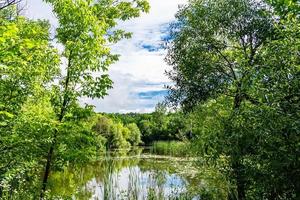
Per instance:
x=139, y=75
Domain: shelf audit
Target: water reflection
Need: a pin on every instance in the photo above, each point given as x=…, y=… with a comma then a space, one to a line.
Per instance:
x=133, y=175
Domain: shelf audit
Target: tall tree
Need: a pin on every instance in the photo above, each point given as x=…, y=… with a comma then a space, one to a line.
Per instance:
x=240, y=61
x=215, y=48
x=28, y=63
x=86, y=30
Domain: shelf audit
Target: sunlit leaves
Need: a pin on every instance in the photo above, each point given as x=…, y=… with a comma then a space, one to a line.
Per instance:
x=27, y=60
x=117, y=135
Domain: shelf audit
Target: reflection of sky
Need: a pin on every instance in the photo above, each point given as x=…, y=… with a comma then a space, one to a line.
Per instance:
x=141, y=66
x=133, y=177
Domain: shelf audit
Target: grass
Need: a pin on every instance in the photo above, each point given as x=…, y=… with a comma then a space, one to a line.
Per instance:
x=171, y=148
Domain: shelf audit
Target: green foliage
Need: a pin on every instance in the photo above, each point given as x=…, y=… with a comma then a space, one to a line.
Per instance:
x=28, y=61
x=171, y=148
x=86, y=30
x=135, y=134
x=78, y=142
x=236, y=71
x=42, y=123
x=285, y=7
x=27, y=64
x=215, y=47
x=236, y=68
x=159, y=125
x=116, y=134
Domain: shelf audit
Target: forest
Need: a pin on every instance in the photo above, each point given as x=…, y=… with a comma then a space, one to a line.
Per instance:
x=233, y=107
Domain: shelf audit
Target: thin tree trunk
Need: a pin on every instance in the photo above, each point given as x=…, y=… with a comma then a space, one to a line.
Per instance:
x=47, y=170
x=50, y=155
x=238, y=97
x=237, y=166
x=238, y=172
x=60, y=119
x=48, y=166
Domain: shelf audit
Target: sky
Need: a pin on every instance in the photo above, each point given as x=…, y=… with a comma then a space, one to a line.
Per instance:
x=138, y=76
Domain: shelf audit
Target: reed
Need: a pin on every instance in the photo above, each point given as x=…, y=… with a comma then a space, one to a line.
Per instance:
x=171, y=148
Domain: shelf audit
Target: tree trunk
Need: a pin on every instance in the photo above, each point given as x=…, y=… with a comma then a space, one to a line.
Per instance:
x=240, y=187
x=237, y=166
x=238, y=97
x=50, y=153
x=47, y=170
x=238, y=170
x=60, y=119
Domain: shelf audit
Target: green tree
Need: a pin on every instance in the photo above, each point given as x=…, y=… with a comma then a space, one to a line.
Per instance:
x=216, y=45
x=28, y=63
x=277, y=84
x=104, y=127
x=235, y=64
x=24, y=148
x=135, y=134
x=160, y=122
x=116, y=134
x=146, y=130
x=119, y=136
x=86, y=31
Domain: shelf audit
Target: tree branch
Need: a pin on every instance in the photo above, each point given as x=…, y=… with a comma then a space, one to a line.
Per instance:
x=9, y=3
x=230, y=65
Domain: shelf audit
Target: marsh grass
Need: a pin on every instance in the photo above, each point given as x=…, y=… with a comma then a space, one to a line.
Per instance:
x=171, y=148
x=146, y=185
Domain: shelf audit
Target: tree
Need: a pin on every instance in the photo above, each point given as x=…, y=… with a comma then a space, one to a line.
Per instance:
x=85, y=31
x=235, y=63
x=214, y=52
x=28, y=63
x=116, y=134
x=104, y=127
x=146, y=128
x=277, y=83
x=215, y=47
x=160, y=122
x=119, y=137
x=135, y=134
x=285, y=8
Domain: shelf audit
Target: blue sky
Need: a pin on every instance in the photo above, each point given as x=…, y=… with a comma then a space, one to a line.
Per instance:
x=139, y=75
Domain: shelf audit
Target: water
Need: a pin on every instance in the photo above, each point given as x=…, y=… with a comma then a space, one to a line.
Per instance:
x=136, y=175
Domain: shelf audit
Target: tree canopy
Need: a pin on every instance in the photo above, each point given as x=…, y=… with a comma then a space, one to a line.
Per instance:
x=236, y=69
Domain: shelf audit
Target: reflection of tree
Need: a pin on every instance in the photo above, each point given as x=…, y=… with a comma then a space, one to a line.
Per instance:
x=73, y=180
x=148, y=179
x=206, y=181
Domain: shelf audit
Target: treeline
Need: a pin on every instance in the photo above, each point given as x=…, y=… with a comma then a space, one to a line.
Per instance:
x=236, y=69
x=42, y=125
x=161, y=125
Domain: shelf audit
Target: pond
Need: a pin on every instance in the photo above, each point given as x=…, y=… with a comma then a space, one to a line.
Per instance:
x=137, y=174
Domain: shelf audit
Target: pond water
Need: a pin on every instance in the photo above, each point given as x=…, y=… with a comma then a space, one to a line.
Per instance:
x=134, y=175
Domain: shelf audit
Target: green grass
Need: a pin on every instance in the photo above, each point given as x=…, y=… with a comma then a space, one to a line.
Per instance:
x=171, y=148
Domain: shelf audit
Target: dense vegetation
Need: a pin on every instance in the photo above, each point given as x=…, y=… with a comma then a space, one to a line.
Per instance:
x=159, y=125
x=236, y=71
x=116, y=134
x=43, y=127
x=234, y=102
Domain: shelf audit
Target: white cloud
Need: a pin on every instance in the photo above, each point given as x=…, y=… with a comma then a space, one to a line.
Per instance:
x=137, y=66
x=124, y=97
